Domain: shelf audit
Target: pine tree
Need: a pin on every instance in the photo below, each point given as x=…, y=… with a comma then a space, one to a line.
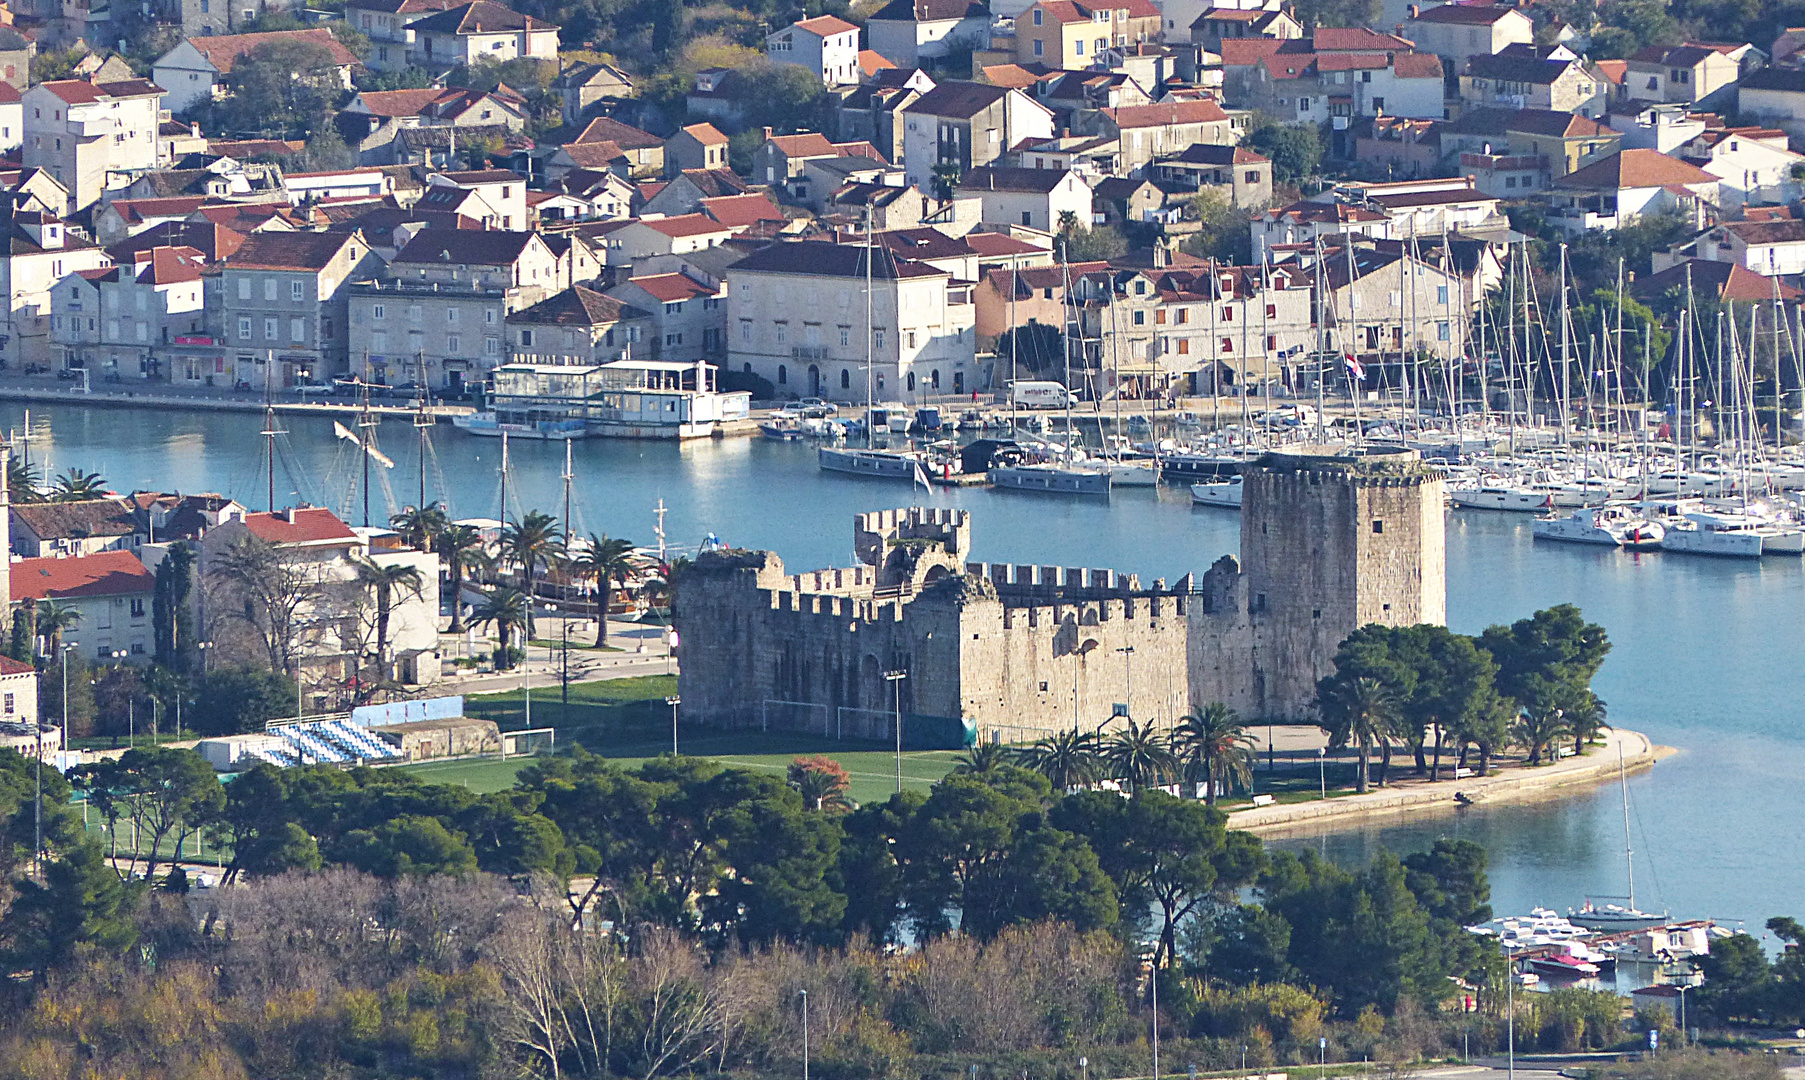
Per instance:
x=80, y=905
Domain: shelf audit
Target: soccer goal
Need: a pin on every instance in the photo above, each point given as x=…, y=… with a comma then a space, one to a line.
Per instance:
x=779, y=715
x=528, y=741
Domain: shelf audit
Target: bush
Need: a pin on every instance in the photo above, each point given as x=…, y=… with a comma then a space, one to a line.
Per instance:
x=233, y=700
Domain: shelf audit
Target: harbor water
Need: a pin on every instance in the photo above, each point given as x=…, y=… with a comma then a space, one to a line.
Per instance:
x=1707, y=653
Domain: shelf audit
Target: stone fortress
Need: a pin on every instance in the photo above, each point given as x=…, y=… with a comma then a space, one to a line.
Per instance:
x=1331, y=539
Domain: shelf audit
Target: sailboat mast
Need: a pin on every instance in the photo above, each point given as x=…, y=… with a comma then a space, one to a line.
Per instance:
x=1629, y=855
x=363, y=444
x=567, y=478
x=504, y=477
x=870, y=357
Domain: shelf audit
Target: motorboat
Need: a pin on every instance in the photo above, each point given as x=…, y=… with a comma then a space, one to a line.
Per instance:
x=1564, y=965
x=1726, y=535
x=1607, y=525
x=1497, y=494
x=1052, y=478
x=928, y=419
x=1225, y=493
x=1201, y=466
x=884, y=464
x=782, y=428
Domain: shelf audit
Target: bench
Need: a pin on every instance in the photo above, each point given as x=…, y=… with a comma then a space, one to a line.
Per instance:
x=1461, y=772
x=1264, y=800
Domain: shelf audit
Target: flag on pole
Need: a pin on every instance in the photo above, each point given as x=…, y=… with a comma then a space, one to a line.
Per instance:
x=343, y=432
x=921, y=477
x=1354, y=367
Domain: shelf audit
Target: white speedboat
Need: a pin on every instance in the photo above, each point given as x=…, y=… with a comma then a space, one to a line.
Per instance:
x=885, y=464
x=1581, y=527
x=1499, y=495
x=782, y=428
x=1052, y=478
x=1218, y=493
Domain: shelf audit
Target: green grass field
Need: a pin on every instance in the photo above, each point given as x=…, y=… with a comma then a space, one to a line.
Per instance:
x=626, y=720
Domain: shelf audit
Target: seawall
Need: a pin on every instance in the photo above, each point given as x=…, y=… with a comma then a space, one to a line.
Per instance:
x=1599, y=765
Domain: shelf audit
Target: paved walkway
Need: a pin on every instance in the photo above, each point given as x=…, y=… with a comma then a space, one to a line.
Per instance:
x=139, y=394
x=642, y=652
x=1407, y=794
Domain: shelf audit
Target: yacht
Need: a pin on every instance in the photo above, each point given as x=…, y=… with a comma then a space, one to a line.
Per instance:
x=1611, y=918
x=1052, y=477
x=1132, y=473
x=782, y=428
x=1494, y=493
x=885, y=464
x=1218, y=493
x=522, y=424
x=1200, y=466
x=1611, y=526
x=1725, y=535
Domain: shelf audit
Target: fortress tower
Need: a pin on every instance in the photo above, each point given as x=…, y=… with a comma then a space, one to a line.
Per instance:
x=1331, y=539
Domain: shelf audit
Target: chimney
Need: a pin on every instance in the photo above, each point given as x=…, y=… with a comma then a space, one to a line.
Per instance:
x=767, y=134
x=288, y=514
x=1414, y=9
x=1161, y=258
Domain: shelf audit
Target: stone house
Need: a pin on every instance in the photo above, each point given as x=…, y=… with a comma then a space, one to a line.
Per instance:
x=1521, y=77
x=285, y=294
x=1242, y=174
x=917, y=33
x=1036, y=198
x=1116, y=200
x=687, y=315
x=796, y=315
x=389, y=26
x=1459, y=32
x=582, y=86
x=120, y=322
x=111, y=593
x=442, y=335
x=16, y=52
x=1218, y=24
x=958, y=126
x=644, y=151
x=698, y=146
x=91, y=136
x=1775, y=97
x=825, y=46
x=1687, y=73
x=1027, y=294
x=63, y=530
x=1146, y=132
x=646, y=237
x=575, y=328
x=1232, y=326
x=1072, y=34
x=198, y=69
x=41, y=253
x=872, y=112
x=685, y=192
x=780, y=158
x=480, y=30
x=1375, y=303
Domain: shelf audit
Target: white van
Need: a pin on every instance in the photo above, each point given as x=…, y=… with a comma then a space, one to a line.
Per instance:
x=1039, y=395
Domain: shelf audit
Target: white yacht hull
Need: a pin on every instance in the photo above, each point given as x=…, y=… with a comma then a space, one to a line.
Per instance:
x=1695, y=541
x=1224, y=493
x=1507, y=499
x=1127, y=474
x=874, y=463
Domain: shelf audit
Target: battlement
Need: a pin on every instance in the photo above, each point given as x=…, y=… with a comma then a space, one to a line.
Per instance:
x=874, y=532
x=1359, y=466
x=1019, y=582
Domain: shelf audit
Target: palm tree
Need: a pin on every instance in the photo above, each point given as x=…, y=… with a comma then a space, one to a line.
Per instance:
x=385, y=581
x=1068, y=759
x=22, y=481
x=53, y=619
x=1538, y=729
x=460, y=548
x=533, y=540
x=77, y=486
x=507, y=608
x=420, y=526
x=1140, y=755
x=1357, y=711
x=1216, y=747
x=981, y=759
x=1585, y=721
x=605, y=561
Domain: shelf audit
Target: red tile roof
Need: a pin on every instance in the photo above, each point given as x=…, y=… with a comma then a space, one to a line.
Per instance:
x=109, y=573
x=83, y=92
x=223, y=52
x=1635, y=169
x=825, y=25
x=742, y=211
x=705, y=133
x=685, y=225
x=1201, y=111
x=1355, y=39
x=311, y=525
x=671, y=288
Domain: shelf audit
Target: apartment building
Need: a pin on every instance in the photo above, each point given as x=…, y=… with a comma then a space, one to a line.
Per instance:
x=576, y=328
x=796, y=316
x=958, y=126
x=282, y=306
x=118, y=323
x=1458, y=32
x=389, y=26
x=480, y=31
x=40, y=254
x=687, y=313
x=1072, y=34
x=91, y=136
x=826, y=46
x=446, y=336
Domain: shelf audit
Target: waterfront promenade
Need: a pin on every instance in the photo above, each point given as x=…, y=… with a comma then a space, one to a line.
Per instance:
x=1409, y=795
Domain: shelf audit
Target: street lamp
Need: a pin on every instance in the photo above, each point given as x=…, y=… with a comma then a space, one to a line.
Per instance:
x=203, y=646
x=895, y=678
x=1322, y=776
x=67, y=646
x=673, y=701
x=804, y=995
x=1685, y=1040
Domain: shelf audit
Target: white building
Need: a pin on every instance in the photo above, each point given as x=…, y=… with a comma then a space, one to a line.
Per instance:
x=41, y=254
x=196, y=70
x=110, y=590
x=1457, y=32
x=502, y=190
x=1752, y=164
x=1036, y=198
x=1629, y=185
x=796, y=315
x=119, y=322
x=91, y=137
x=911, y=33
x=463, y=35
x=827, y=46
x=388, y=24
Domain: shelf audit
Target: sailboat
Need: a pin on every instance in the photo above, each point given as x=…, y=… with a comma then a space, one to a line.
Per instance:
x=1067, y=476
x=1609, y=918
x=868, y=460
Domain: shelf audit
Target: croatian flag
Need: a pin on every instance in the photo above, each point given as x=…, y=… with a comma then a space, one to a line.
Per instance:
x=921, y=477
x=1354, y=367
